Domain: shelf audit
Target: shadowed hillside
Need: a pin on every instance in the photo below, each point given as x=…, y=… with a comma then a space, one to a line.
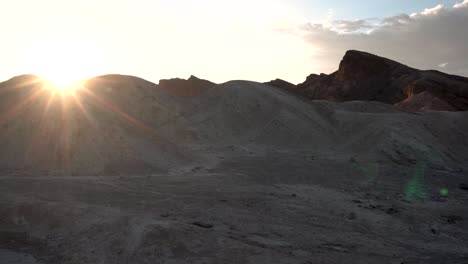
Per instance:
x=367, y=77
x=121, y=124
x=238, y=172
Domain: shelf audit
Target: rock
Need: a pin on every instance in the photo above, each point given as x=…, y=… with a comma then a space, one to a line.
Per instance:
x=202, y=224
x=425, y=101
x=366, y=77
x=337, y=247
x=452, y=219
x=193, y=86
x=351, y=216
x=197, y=168
x=391, y=210
x=278, y=83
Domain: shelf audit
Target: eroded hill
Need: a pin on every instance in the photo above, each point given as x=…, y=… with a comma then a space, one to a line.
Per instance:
x=366, y=77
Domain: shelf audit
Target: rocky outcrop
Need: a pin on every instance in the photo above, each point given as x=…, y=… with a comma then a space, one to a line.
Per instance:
x=282, y=84
x=193, y=86
x=367, y=77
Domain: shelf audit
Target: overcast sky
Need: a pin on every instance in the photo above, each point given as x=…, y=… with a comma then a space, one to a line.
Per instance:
x=223, y=40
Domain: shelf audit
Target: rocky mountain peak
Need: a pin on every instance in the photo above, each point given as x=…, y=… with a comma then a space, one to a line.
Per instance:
x=358, y=65
x=362, y=76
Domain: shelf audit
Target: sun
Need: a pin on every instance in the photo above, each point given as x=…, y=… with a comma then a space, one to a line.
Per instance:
x=63, y=86
x=63, y=64
x=65, y=80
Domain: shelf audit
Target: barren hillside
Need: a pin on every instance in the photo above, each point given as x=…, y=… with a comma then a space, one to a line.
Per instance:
x=238, y=172
x=367, y=77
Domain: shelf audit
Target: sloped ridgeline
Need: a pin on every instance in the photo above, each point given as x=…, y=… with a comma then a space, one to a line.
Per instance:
x=123, y=125
x=106, y=128
x=367, y=77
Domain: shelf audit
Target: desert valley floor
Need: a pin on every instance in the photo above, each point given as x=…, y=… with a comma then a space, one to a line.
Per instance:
x=242, y=172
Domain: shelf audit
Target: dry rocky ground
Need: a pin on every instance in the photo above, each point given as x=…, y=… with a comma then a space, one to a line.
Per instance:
x=239, y=172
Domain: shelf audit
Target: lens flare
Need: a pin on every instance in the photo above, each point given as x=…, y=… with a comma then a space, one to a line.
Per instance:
x=61, y=86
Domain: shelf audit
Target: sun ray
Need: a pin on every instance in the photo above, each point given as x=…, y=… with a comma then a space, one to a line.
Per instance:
x=128, y=118
x=42, y=135
x=49, y=102
x=77, y=100
x=65, y=135
x=16, y=110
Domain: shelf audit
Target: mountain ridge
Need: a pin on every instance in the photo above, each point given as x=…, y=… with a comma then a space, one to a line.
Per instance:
x=368, y=77
x=361, y=76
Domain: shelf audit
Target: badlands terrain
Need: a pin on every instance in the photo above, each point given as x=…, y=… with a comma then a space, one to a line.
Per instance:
x=366, y=165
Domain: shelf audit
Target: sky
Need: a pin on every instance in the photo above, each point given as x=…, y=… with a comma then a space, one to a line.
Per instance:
x=223, y=40
x=346, y=9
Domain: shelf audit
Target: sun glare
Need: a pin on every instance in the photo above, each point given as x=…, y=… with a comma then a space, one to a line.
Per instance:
x=62, y=64
x=62, y=86
x=63, y=80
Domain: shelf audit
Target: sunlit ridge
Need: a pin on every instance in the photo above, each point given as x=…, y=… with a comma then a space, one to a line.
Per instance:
x=62, y=86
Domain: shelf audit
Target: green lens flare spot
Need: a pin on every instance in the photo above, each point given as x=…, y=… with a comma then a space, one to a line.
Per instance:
x=444, y=192
x=415, y=189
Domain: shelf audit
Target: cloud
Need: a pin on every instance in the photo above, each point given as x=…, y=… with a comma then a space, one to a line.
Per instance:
x=428, y=39
x=461, y=5
x=432, y=11
x=443, y=65
x=346, y=26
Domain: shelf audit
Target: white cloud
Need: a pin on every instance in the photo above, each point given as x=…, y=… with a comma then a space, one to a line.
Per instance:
x=422, y=40
x=443, y=65
x=432, y=11
x=461, y=5
x=347, y=26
